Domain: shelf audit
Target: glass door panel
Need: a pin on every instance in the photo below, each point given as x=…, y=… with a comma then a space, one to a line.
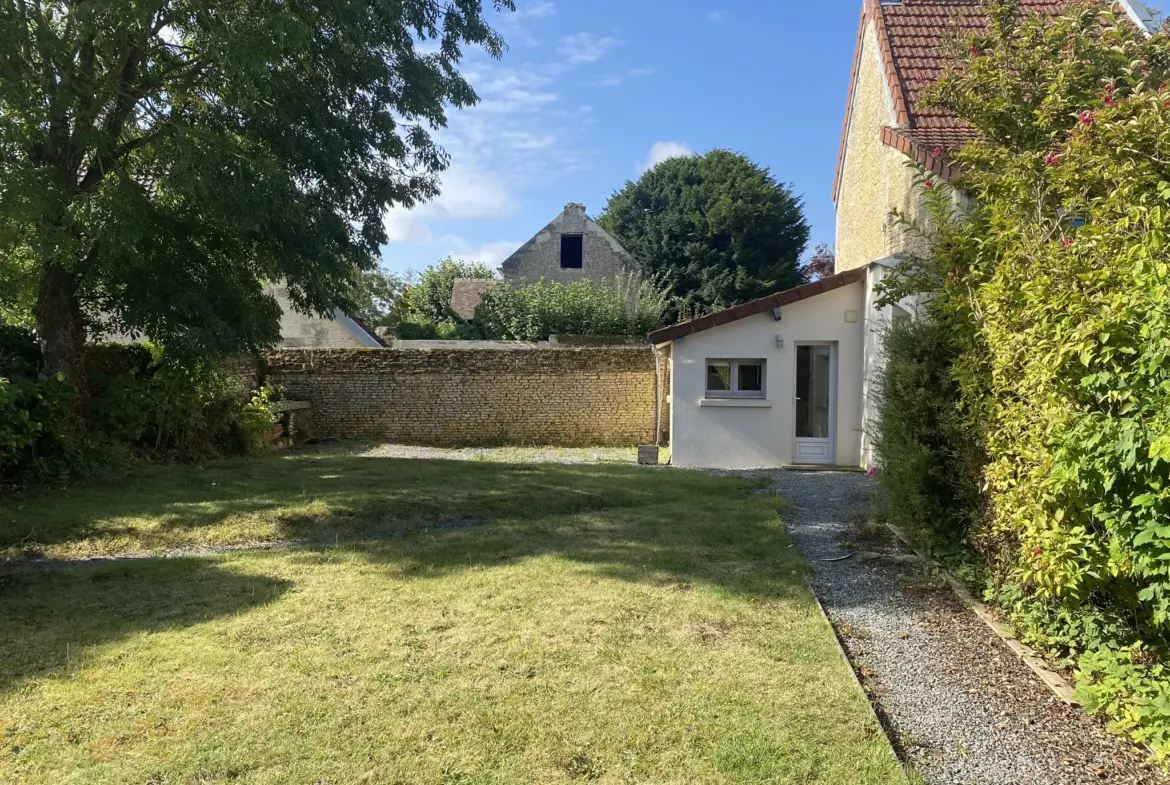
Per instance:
x=812, y=391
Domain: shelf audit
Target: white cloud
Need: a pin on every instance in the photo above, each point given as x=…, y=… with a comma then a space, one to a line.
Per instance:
x=492, y=254
x=536, y=11
x=404, y=227
x=717, y=17
x=660, y=151
x=587, y=47
x=522, y=136
x=467, y=192
x=613, y=80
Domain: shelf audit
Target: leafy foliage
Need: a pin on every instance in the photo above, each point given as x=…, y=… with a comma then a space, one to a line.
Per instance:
x=822, y=263
x=375, y=295
x=533, y=312
x=929, y=483
x=139, y=399
x=718, y=227
x=428, y=301
x=159, y=160
x=1052, y=293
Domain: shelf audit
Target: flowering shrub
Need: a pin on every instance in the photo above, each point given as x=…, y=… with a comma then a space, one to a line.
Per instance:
x=1054, y=294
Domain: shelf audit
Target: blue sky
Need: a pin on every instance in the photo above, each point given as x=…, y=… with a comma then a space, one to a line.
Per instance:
x=590, y=92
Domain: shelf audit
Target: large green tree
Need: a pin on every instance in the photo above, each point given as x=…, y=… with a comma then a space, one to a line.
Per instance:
x=717, y=228
x=159, y=160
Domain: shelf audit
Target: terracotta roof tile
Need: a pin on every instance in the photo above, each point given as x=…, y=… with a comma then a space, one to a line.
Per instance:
x=917, y=32
x=912, y=37
x=466, y=295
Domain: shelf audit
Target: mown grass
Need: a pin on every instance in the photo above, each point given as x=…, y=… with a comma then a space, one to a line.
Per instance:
x=606, y=624
x=317, y=494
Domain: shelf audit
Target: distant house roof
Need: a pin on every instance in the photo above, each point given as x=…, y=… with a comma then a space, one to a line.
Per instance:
x=762, y=305
x=911, y=37
x=466, y=295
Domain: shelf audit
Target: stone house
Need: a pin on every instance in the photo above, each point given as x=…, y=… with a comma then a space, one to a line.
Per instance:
x=308, y=331
x=899, y=52
x=571, y=248
x=789, y=378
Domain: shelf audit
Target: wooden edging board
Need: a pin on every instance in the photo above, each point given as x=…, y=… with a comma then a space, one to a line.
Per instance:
x=1051, y=679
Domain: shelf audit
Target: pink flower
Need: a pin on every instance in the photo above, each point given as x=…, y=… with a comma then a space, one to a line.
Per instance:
x=1037, y=551
x=1066, y=242
x=938, y=150
x=1088, y=117
x=1109, y=88
x=1052, y=159
x=973, y=49
x=871, y=472
x=929, y=184
x=1109, y=100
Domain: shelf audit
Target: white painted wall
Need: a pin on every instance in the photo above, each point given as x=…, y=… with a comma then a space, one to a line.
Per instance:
x=761, y=433
x=877, y=321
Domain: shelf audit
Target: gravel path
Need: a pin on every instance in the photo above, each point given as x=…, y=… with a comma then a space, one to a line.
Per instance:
x=960, y=707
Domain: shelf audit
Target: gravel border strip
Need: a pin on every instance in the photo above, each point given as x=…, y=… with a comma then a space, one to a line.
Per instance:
x=959, y=706
x=874, y=709
x=1050, y=678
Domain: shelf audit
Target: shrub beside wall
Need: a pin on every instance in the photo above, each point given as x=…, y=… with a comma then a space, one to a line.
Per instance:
x=137, y=402
x=931, y=473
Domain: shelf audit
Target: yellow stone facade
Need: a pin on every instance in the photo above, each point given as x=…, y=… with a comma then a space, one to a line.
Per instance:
x=589, y=396
x=875, y=178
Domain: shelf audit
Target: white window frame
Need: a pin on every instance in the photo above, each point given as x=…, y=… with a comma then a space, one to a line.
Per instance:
x=735, y=392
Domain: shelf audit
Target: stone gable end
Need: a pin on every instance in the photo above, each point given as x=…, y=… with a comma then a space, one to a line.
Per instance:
x=602, y=257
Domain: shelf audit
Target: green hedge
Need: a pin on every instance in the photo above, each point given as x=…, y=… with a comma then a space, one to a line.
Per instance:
x=137, y=402
x=533, y=312
x=1052, y=297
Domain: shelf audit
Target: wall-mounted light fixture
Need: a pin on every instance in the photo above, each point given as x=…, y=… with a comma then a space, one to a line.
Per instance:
x=776, y=313
x=779, y=341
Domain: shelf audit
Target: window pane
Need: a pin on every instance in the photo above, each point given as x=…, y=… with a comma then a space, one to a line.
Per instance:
x=572, y=251
x=751, y=377
x=718, y=377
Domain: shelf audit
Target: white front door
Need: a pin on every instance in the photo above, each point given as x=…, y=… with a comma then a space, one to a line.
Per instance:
x=816, y=400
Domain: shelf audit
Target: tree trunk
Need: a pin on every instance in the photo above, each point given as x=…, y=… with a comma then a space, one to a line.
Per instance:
x=61, y=331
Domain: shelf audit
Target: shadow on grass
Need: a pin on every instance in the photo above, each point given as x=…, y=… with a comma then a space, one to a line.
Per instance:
x=671, y=529
x=718, y=538
x=50, y=619
x=313, y=496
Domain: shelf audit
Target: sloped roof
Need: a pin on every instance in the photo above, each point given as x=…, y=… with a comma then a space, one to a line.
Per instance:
x=466, y=295
x=753, y=307
x=911, y=37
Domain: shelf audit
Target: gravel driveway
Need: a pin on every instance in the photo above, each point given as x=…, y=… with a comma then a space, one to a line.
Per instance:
x=960, y=707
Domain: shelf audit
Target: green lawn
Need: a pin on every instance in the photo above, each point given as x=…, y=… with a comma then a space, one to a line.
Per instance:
x=605, y=624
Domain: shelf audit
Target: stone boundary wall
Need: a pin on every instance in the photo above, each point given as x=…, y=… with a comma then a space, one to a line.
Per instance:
x=587, y=396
